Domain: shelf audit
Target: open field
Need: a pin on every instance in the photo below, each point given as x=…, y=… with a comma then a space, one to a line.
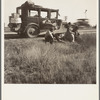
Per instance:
x=32, y=61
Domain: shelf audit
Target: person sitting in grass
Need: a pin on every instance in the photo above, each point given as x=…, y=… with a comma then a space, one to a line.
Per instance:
x=49, y=36
x=75, y=30
x=69, y=34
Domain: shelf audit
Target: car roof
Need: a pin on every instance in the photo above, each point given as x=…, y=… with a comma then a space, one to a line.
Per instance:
x=37, y=7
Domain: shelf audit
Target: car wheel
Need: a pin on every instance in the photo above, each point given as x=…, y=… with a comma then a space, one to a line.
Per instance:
x=32, y=31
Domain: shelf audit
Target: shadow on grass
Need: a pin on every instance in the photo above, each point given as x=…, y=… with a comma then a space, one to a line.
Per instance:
x=12, y=36
x=16, y=36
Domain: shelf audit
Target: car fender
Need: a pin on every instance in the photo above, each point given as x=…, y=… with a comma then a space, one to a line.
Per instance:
x=34, y=24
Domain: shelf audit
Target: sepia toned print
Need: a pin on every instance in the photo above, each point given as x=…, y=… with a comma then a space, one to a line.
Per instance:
x=46, y=43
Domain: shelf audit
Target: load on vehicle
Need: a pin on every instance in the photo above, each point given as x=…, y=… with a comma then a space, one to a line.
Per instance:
x=30, y=19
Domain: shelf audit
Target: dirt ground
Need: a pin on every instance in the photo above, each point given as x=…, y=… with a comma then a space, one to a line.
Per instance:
x=12, y=35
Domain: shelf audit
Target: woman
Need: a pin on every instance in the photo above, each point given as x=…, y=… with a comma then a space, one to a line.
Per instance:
x=69, y=35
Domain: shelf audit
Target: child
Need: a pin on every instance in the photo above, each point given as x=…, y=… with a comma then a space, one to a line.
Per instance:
x=76, y=33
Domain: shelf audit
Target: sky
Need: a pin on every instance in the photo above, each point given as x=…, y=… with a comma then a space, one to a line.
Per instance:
x=73, y=9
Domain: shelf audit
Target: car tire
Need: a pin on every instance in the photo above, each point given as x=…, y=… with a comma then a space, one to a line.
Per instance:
x=32, y=31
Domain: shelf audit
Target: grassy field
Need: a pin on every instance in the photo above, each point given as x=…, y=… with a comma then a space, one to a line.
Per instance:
x=33, y=61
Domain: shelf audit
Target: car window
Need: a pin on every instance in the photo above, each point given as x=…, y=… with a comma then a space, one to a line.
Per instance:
x=53, y=14
x=19, y=11
x=33, y=13
x=43, y=14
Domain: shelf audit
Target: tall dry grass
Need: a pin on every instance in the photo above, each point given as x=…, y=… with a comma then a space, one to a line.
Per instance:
x=33, y=61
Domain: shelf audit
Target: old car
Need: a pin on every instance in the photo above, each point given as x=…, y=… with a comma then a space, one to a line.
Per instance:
x=30, y=19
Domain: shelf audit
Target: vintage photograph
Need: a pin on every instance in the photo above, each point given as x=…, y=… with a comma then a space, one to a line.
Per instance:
x=50, y=42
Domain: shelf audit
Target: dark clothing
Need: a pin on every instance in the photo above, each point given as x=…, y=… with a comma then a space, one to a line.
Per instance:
x=49, y=37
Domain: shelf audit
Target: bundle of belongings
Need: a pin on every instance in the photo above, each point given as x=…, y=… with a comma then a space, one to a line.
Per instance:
x=30, y=4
